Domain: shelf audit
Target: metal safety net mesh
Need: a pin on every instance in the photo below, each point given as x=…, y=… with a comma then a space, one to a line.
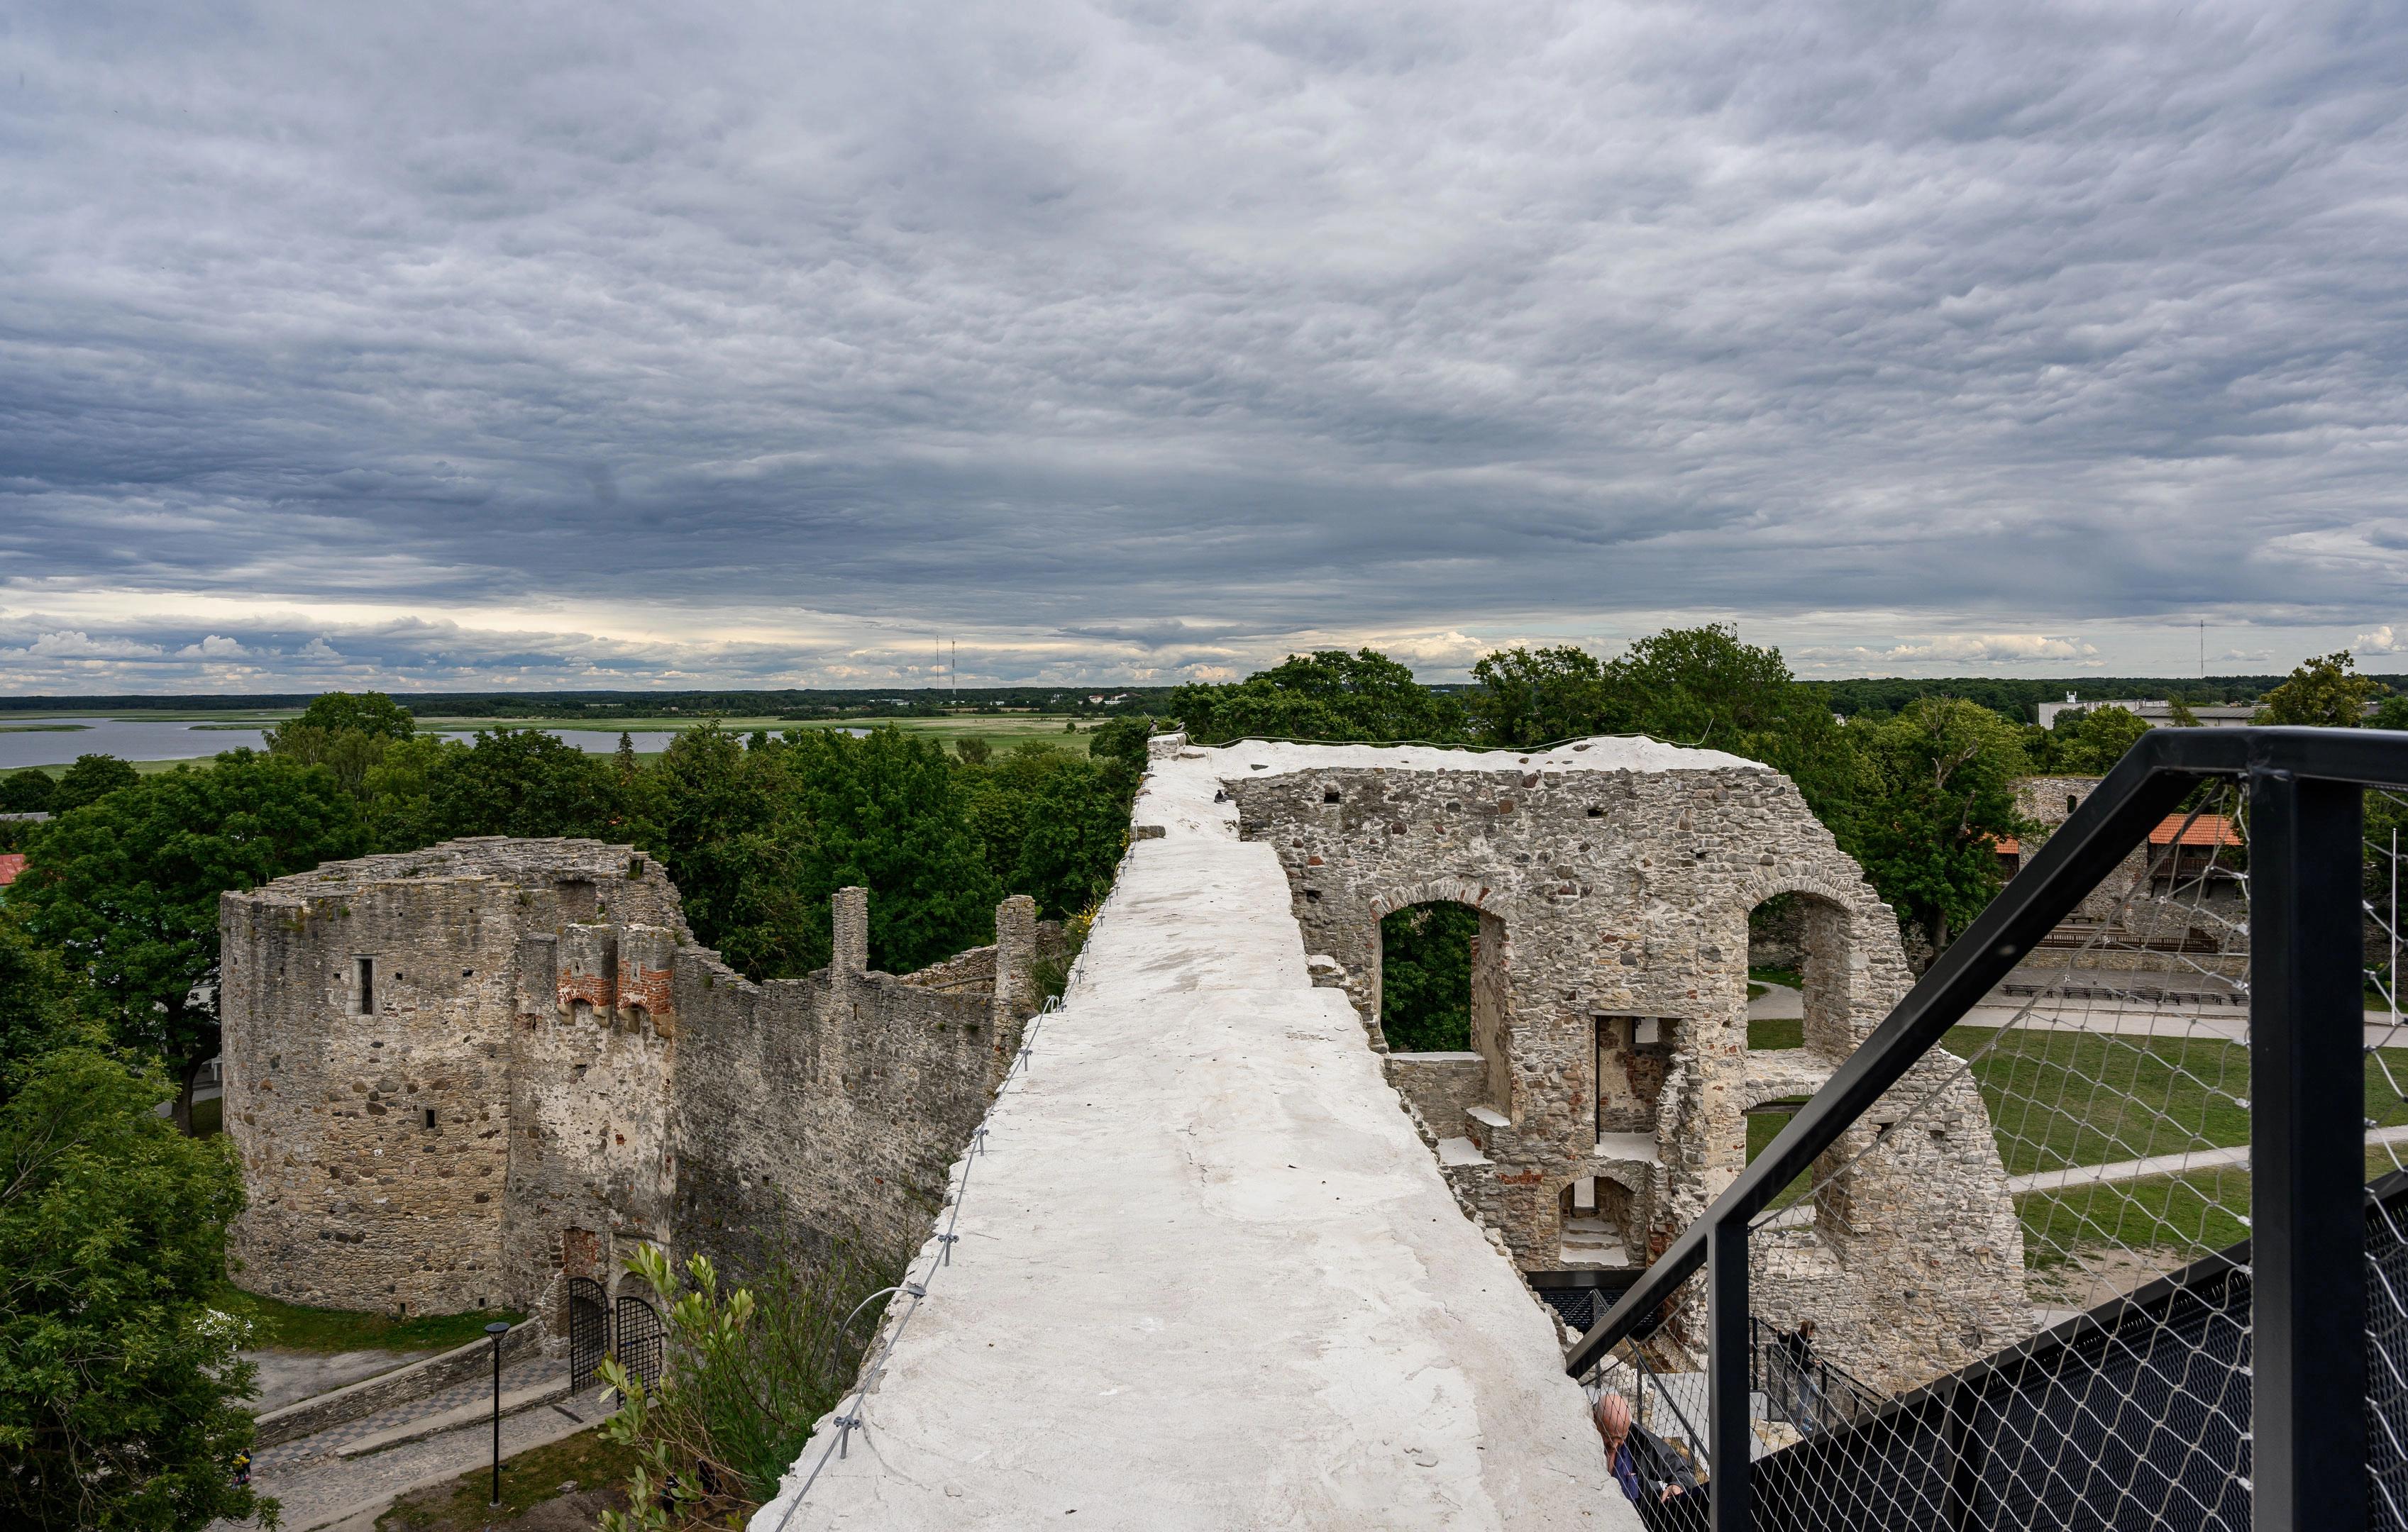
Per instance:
x=2017, y=1293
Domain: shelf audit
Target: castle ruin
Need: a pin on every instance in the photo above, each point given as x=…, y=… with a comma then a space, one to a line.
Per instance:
x=454, y=1077
x=1603, y=1104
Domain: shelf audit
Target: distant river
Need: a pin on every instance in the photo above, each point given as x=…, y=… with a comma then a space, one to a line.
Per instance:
x=151, y=740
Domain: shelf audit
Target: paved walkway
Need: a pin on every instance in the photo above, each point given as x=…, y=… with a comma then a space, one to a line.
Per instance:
x=318, y=1488
x=1208, y=1276
x=2162, y=1165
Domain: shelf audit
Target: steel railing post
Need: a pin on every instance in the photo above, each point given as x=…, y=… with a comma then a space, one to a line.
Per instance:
x=2307, y=1149
x=1726, y=1405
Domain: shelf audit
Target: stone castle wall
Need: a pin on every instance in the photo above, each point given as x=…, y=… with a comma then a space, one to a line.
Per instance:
x=1609, y=1014
x=546, y=1068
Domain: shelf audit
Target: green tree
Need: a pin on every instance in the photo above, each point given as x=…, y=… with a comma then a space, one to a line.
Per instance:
x=715, y=815
x=2322, y=693
x=26, y=791
x=2085, y=742
x=90, y=780
x=1328, y=694
x=1942, y=797
x=1123, y=739
x=882, y=811
x=37, y=1014
x=350, y=754
x=121, y=1388
x=127, y=888
x=2390, y=713
x=1703, y=687
x=972, y=750
x=1530, y=697
x=1076, y=828
x=357, y=712
x=400, y=791
x=526, y=783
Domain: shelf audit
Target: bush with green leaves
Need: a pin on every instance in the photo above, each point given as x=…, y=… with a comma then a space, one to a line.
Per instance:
x=119, y=1385
x=747, y=1373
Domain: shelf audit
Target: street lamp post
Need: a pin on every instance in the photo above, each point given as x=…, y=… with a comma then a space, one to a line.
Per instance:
x=497, y=1329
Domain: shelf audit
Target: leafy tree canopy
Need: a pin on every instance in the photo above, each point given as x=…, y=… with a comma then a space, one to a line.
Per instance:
x=1530, y=697
x=523, y=782
x=2390, y=713
x=118, y=1400
x=1328, y=694
x=2323, y=693
x=364, y=713
x=716, y=815
x=90, y=780
x=27, y=793
x=882, y=811
x=1938, y=797
x=37, y=1013
x=2085, y=743
x=126, y=887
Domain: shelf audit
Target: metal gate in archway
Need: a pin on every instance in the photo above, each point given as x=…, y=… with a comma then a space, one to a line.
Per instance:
x=640, y=1339
x=589, y=1330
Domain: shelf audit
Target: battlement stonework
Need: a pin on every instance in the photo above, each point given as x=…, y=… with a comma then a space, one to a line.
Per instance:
x=454, y=1076
x=1603, y=1102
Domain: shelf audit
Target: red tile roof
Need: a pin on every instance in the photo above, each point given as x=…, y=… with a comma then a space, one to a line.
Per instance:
x=11, y=863
x=2008, y=846
x=2203, y=830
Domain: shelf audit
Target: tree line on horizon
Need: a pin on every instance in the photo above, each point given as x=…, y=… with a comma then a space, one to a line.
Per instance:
x=113, y=1230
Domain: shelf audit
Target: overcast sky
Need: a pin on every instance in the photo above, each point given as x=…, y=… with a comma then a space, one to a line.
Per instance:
x=596, y=345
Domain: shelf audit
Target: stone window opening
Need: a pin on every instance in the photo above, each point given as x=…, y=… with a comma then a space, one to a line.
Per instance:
x=2073, y=801
x=1797, y=981
x=1329, y=795
x=638, y=1020
x=1633, y=1053
x=1426, y=960
x=430, y=1117
x=581, y=1012
x=1596, y=811
x=364, y=986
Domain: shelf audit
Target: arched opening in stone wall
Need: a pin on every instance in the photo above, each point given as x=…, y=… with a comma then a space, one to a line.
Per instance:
x=1597, y=1217
x=1797, y=975
x=1425, y=958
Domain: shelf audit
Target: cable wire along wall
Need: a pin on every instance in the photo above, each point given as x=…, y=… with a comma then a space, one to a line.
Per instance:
x=2181, y=1019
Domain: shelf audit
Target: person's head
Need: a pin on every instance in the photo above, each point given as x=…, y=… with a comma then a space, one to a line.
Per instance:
x=1806, y=1329
x=1613, y=1419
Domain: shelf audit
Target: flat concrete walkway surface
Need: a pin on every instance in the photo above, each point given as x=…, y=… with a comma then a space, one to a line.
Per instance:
x=1208, y=1276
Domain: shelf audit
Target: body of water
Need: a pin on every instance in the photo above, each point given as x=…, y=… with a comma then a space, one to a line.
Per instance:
x=151, y=739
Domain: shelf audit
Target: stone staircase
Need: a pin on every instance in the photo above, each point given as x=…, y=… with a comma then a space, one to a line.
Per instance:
x=1592, y=1241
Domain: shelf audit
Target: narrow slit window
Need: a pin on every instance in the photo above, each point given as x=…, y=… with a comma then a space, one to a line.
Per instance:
x=367, y=967
x=430, y=1117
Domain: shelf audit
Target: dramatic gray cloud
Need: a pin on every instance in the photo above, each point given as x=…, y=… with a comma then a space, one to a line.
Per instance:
x=603, y=345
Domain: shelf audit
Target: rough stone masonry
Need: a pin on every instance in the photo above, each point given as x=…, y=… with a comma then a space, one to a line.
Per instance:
x=1603, y=1103
x=455, y=1076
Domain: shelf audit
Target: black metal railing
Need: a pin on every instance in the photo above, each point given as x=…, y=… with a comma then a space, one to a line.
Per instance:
x=1800, y=1387
x=2299, y=1379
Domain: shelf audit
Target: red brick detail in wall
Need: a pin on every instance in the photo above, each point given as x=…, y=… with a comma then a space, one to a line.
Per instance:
x=580, y=1252
x=591, y=987
x=1518, y=1178
x=651, y=988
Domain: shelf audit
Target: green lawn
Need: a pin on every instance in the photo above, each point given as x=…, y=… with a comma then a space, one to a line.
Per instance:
x=290, y=1326
x=2179, y=1218
x=534, y=1481
x=1789, y=1033
x=2064, y=1099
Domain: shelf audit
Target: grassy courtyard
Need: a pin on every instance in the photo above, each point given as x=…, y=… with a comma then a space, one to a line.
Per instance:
x=290, y=1326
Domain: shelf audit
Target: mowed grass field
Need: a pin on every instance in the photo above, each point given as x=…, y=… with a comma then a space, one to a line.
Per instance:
x=2061, y=1099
